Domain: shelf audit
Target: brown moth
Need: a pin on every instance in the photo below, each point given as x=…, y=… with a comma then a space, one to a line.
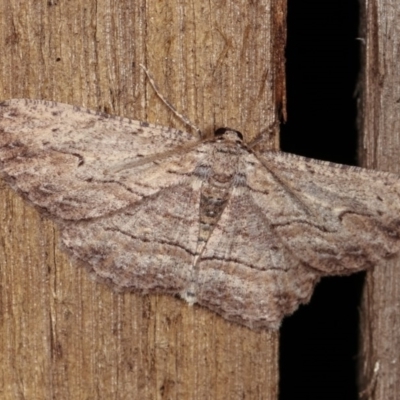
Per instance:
x=154, y=209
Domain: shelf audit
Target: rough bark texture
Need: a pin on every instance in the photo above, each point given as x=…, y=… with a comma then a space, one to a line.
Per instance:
x=62, y=335
x=380, y=126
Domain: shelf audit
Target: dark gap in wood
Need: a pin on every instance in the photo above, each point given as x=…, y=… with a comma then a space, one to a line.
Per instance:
x=319, y=343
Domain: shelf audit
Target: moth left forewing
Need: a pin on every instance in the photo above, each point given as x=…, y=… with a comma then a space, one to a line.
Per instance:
x=64, y=126
x=351, y=218
x=58, y=155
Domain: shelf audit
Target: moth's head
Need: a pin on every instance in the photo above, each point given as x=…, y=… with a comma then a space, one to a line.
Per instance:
x=229, y=135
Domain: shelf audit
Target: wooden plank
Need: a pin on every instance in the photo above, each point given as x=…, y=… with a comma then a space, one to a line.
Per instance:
x=380, y=126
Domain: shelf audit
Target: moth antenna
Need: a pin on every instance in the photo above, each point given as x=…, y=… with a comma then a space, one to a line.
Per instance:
x=169, y=105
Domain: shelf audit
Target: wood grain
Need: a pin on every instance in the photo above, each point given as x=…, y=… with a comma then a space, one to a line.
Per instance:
x=379, y=147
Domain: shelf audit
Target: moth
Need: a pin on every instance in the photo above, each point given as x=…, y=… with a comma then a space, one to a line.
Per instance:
x=246, y=234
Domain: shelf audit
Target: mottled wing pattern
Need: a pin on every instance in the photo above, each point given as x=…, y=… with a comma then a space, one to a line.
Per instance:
x=334, y=218
x=47, y=147
x=148, y=246
x=59, y=157
x=246, y=273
